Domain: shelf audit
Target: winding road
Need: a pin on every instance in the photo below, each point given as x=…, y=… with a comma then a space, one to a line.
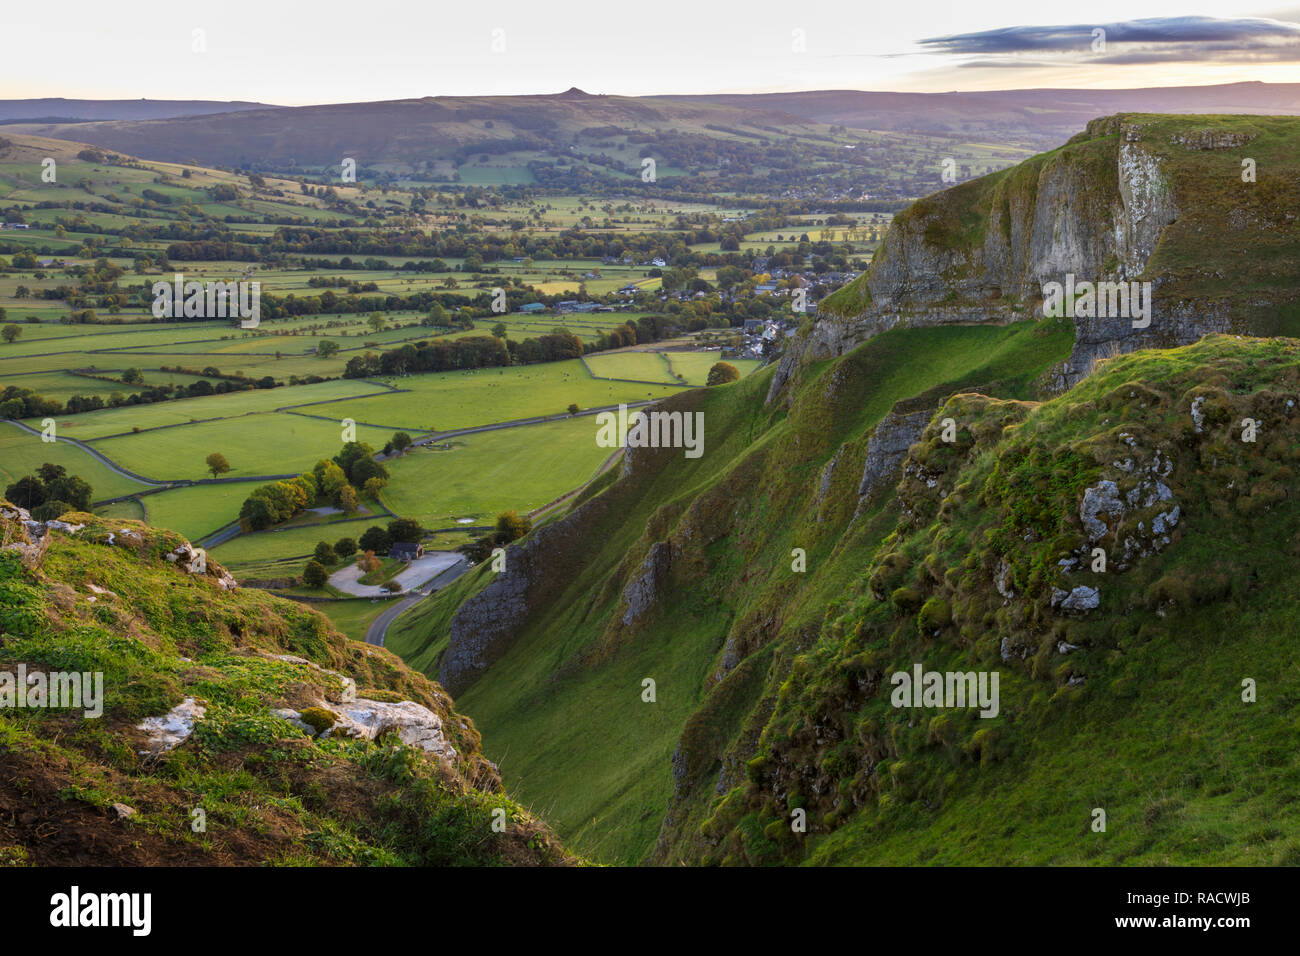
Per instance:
x=378, y=629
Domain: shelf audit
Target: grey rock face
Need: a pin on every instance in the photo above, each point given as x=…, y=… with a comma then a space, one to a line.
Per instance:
x=484, y=623
x=1101, y=499
x=1066, y=225
x=895, y=434
x=643, y=590
x=1082, y=598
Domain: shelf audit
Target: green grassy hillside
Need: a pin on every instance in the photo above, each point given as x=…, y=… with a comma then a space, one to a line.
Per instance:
x=735, y=514
x=105, y=599
x=1141, y=707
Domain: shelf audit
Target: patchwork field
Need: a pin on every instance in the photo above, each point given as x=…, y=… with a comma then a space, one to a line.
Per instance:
x=694, y=366
x=487, y=472
x=638, y=365
x=266, y=443
x=21, y=453
x=445, y=401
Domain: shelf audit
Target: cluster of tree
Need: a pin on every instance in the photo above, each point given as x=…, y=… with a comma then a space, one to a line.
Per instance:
x=379, y=539
x=331, y=482
x=50, y=492
x=440, y=355
x=510, y=527
x=482, y=351
x=18, y=402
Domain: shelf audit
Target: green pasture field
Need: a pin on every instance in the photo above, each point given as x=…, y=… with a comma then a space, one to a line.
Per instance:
x=694, y=366
x=445, y=401
x=21, y=453
x=89, y=426
x=488, y=472
x=639, y=365
x=62, y=385
x=263, y=443
x=130, y=509
x=196, y=510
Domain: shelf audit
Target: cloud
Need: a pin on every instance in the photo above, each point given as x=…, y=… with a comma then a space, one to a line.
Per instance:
x=1156, y=40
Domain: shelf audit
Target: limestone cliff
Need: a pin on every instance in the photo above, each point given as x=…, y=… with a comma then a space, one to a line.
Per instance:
x=1134, y=198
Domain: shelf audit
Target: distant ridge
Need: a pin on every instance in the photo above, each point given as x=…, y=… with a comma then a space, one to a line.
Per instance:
x=414, y=130
x=48, y=109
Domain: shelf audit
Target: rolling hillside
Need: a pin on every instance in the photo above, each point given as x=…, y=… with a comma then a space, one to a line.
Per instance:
x=832, y=536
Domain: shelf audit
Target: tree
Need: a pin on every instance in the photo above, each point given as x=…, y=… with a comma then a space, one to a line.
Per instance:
x=511, y=527
x=348, y=500
x=372, y=487
x=573, y=408
x=345, y=547
x=499, y=330
x=363, y=469
x=71, y=489
x=27, y=492
x=358, y=462
x=132, y=376
x=217, y=464
x=326, y=348
x=368, y=563
x=722, y=373
x=325, y=553
x=314, y=574
x=375, y=538
x=11, y=332
x=376, y=321
x=404, y=529
x=401, y=441
x=50, y=472
x=330, y=479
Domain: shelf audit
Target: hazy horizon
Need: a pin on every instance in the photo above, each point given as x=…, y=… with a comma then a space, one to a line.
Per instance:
x=263, y=53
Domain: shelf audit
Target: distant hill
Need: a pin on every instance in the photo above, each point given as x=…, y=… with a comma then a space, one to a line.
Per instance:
x=403, y=130
x=412, y=131
x=57, y=109
x=1053, y=112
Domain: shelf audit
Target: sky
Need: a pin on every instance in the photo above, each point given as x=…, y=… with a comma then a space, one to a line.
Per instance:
x=332, y=51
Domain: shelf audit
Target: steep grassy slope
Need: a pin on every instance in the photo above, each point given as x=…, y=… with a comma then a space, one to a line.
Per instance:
x=772, y=588
x=1137, y=707
x=111, y=597
x=729, y=520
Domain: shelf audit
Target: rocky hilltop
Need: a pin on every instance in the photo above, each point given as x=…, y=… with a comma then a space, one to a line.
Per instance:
x=1204, y=208
x=229, y=727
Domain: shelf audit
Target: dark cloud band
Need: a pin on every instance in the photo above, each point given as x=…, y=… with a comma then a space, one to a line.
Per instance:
x=1162, y=39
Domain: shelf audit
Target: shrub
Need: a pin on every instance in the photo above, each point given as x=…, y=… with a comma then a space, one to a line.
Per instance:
x=722, y=373
x=319, y=718
x=906, y=599
x=314, y=575
x=935, y=615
